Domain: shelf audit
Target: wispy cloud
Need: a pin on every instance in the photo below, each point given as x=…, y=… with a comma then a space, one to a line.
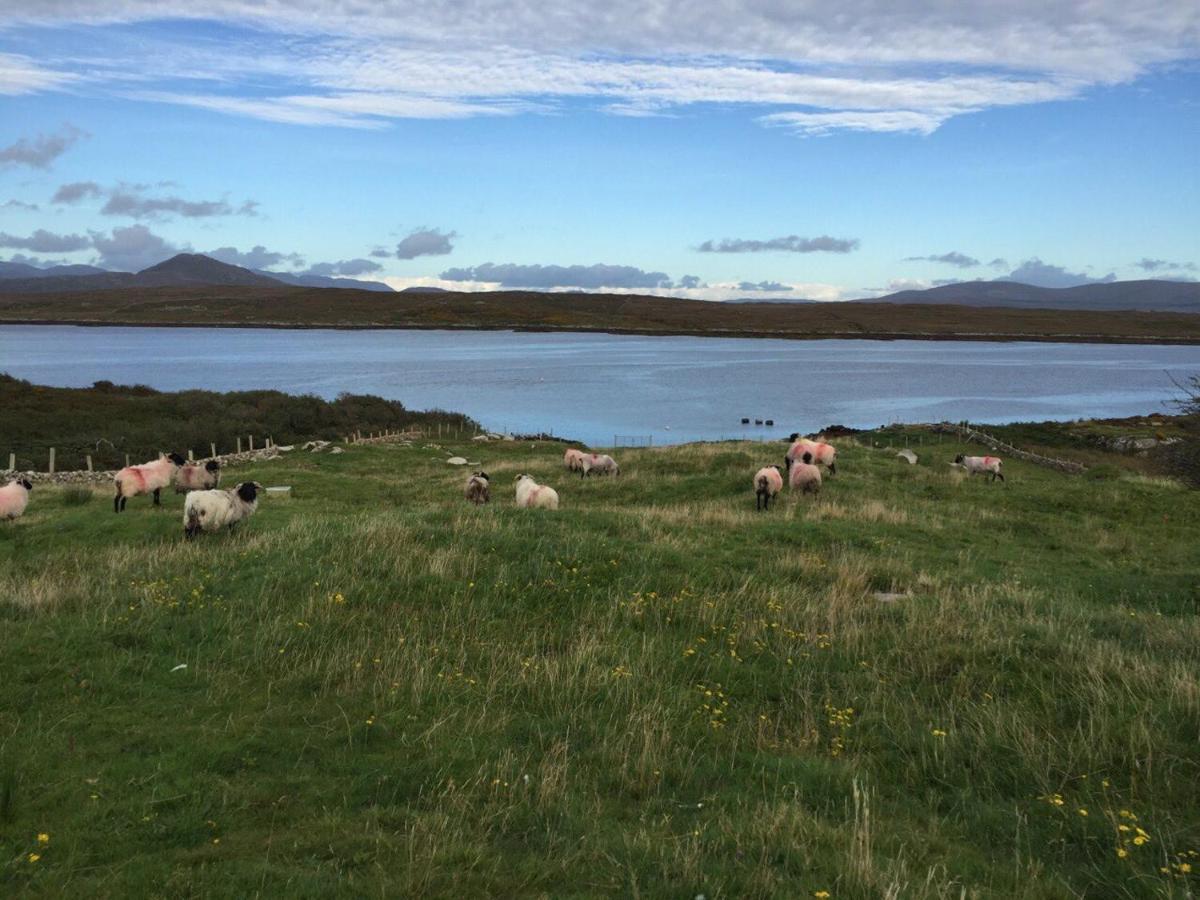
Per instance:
x=349, y=268
x=789, y=244
x=132, y=201
x=21, y=75
x=42, y=241
x=1158, y=265
x=953, y=258
x=815, y=69
x=38, y=152
x=257, y=257
x=772, y=287
x=19, y=204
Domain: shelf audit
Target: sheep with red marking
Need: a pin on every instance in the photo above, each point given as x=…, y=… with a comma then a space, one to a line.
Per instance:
x=531, y=495
x=768, y=482
x=804, y=476
x=573, y=459
x=147, y=478
x=598, y=464
x=14, y=497
x=823, y=454
x=981, y=465
x=197, y=477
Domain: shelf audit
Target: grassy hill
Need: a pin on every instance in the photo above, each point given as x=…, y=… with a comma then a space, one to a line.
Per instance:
x=655, y=691
x=296, y=307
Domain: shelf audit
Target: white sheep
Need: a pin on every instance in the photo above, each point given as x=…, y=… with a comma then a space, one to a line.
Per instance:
x=477, y=489
x=768, y=482
x=804, y=475
x=981, y=465
x=148, y=478
x=214, y=510
x=823, y=454
x=573, y=459
x=197, y=477
x=532, y=495
x=600, y=463
x=14, y=497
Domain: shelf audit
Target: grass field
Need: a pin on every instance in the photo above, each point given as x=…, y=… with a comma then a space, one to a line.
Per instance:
x=653, y=692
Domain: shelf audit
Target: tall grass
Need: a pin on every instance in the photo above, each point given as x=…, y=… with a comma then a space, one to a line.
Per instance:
x=916, y=685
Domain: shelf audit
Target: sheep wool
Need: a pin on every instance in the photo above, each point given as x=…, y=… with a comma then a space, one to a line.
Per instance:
x=198, y=477
x=599, y=463
x=477, y=489
x=531, y=495
x=823, y=454
x=981, y=465
x=804, y=476
x=214, y=510
x=768, y=482
x=148, y=478
x=573, y=459
x=14, y=497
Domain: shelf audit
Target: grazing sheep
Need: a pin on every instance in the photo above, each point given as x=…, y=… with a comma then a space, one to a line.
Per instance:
x=196, y=477
x=804, y=475
x=14, y=497
x=532, y=495
x=981, y=465
x=148, y=478
x=477, y=490
x=600, y=463
x=768, y=482
x=213, y=510
x=823, y=454
x=573, y=459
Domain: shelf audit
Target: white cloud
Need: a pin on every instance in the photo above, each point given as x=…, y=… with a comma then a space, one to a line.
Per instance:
x=718, y=291
x=905, y=67
x=21, y=75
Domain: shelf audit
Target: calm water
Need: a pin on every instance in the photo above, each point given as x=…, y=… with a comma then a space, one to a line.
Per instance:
x=593, y=387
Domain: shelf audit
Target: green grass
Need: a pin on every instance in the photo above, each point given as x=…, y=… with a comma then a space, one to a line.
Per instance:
x=654, y=692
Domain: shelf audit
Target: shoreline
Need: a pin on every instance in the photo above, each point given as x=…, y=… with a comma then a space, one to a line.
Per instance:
x=752, y=334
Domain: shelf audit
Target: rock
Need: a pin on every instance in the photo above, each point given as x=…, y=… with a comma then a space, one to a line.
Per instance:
x=456, y=461
x=481, y=437
x=908, y=456
x=284, y=490
x=889, y=597
x=285, y=449
x=337, y=450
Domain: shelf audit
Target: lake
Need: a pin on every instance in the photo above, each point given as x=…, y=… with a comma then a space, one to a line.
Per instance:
x=593, y=387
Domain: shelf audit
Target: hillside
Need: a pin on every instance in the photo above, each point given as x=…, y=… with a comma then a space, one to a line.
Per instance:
x=281, y=306
x=916, y=685
x=1150, y=295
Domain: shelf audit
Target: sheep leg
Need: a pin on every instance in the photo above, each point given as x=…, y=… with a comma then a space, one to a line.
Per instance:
x=117, y=502
x=124, y=500
x=833, y=468
x=157, y=502
x=996, y=475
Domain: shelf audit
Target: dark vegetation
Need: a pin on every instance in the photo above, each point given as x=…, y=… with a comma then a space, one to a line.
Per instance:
x=108, y=421
x=298, y=307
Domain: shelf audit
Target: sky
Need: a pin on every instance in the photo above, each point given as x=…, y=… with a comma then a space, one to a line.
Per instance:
x=779, y=148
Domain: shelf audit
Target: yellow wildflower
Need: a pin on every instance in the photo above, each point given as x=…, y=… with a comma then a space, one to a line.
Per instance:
x=34, y=857
x=43, y=838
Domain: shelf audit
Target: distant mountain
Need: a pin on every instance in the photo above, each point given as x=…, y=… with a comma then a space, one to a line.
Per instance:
x=179, y=271
x=1150, y=295
x=21, y=270
x=418, y=289
x=326, y=281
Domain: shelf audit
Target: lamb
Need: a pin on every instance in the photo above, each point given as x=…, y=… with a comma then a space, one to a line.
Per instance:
x=477, y=490
x=532, y=495
x=823, y=454
x=768, y=482
x=148, y=478
x=195, y=477
x=14, y=497
x=573, y=459
x=601, y=463
x=804, y=475
x=981, y=465
x=213, y=510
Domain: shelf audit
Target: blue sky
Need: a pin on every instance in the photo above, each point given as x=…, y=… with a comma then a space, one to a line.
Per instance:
x=828, y=154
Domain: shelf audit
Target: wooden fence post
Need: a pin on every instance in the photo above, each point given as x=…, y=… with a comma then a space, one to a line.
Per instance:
x=251, y=438
x=127, y=460
x=12, y=461
x=239, y=449
x=213, y=448
x=51, y=460
x=190, y=457
x=89, y=462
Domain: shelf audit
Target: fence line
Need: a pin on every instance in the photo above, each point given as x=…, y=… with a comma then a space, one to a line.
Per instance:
x=980, y=437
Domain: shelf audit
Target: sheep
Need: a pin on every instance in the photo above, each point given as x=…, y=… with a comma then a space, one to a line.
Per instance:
x=532, y=495
x=148, y=478
x=573, y=459
x=768, y=482
x=14, y=497
x=215, y=509
x=196, y=477
x=477, y=490
x=823, y=454
x=981, y=465
x=600, y=463
x=804, y=475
